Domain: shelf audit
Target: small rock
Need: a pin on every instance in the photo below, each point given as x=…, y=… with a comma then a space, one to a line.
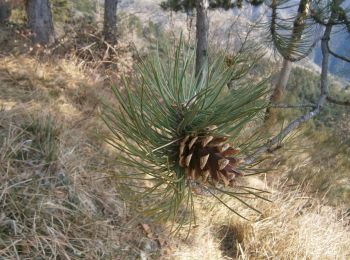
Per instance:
x=149, y=245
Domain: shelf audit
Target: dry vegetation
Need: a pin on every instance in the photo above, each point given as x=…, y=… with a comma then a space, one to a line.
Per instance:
x=58, y=200
x=294, y=226
x=56, y=196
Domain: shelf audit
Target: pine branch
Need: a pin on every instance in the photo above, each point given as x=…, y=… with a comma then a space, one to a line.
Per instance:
x=173, y=132
x=306, y=117
x=338, y=56
x=299, y=44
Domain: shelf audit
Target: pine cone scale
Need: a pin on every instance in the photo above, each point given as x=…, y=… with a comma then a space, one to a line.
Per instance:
x=203, y=161
x=207, y=140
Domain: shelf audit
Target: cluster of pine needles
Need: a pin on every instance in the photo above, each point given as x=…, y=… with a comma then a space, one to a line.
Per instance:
x=178, y=133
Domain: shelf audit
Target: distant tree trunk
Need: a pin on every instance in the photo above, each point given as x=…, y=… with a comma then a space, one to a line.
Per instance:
x=278, y=92
x=110, y=21
x=5, y=11
x=281, y=84
x=320, y=103
x=40, y=21
x=202, y=28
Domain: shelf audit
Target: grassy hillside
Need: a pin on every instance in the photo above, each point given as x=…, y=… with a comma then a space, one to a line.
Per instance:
x=57, y=191
x=321, y=154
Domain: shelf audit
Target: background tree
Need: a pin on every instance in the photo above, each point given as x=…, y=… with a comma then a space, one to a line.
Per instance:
x=328, y=14
x=40, y=22
x=5, y=11
x=202, y=30
x=202, y=21
x=289, y=46
x=110, y=21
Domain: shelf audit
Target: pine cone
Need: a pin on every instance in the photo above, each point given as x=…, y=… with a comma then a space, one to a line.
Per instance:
x=210, y=158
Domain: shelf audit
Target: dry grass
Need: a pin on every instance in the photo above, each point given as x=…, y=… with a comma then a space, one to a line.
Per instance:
x=298, y=227
x=58, y=200
x=56, y=196
x=319, y=159
x=294, y=226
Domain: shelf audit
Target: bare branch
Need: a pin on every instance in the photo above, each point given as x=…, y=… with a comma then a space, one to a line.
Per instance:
x=321, y=101
x=294, y=106
x=338, y=56
x=338, y=102
x=278, y=138
x=273, y=149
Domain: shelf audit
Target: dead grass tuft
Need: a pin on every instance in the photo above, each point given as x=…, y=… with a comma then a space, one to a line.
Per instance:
x=56, y=197
x=52, y=205
x=298, y=226
x=230, y=237
x=294, y=226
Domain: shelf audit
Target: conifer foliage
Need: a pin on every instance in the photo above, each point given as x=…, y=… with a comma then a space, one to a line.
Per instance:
x=174, y=130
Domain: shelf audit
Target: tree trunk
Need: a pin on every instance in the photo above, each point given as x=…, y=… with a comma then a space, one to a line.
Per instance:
x=320, y=103
x=278, y=93
x=110, y=21
x=5, y=11
x=40, y=21
x=202, y=28
x=281, y=85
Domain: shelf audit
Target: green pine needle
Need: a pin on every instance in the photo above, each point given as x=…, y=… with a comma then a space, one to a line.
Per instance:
x=168, y=103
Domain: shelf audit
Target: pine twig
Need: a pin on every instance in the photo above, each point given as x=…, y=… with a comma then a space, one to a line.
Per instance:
x=294, y=106
x=321, y=101
x=338, y=56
